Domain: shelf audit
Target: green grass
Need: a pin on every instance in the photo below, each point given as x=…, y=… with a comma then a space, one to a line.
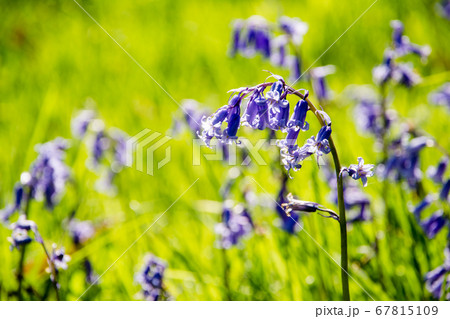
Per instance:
x=53, y=58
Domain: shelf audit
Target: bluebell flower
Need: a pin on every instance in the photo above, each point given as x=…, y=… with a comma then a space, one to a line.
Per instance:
x=295, y=67
x=279, y=116
x=435, y=278
x=403, y=46
x=355, y=198
x=193, y=113
x=236, y=40
x=49, y=173
x=250, y=113
x=81, y=122
x=212, y=125
x=298, y=205
x=437, y=173
x=236, y=224
x=368, y=117
x=279, y=56
x=91, y=276
x=404, y=74
x=291, y=139
x=433, y=224
x=59, y=258
x=319, y=145
x=441, y=96
x=7, y=212
x=292, y=157
x=443, y=7
x=99, y=147
x=383, y=72
x=80, y=231
x=403, y=162
x=21, y=232
x=319, y=84
x=419, y=208
x=298, y=118
x=262, y=120
x=295, y=28
x=151, y=278
x=360, y=171
x=288, y=223
x=119, y=149
x=258, y=37
x=273, y=96
x=443, y=195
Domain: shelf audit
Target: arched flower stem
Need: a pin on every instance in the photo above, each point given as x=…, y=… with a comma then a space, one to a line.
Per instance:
x=340, y=187
x=341, y=204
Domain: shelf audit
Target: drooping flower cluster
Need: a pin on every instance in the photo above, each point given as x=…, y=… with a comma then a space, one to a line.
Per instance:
x=151, y=277
x=269, y=111
x=399, y=72
x=107, y=147
x=257, y=35
x=45, y=181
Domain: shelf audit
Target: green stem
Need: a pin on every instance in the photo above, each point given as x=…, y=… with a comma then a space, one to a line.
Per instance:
x=341, y=205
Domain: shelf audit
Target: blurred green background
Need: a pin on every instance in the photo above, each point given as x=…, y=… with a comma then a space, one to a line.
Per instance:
x=53, y=58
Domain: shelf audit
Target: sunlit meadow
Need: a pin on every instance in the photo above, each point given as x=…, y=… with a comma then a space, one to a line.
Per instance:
x=358, y=157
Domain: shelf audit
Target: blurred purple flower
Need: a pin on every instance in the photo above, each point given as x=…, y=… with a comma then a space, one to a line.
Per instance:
x=80, y=231
x=433, y=224
x=6, y=213
x=49, y=173
x=441, y=96
x=435, y=278
x=288, y=223
x=419, y=208
x=236, y=224
x=80, y=123
x=317, y=76
x=443, y=8
x=443, y=195
x=403, y=46
x=437, y=173
x=403, y=161
x=151, y=277
x=295, y=28
x=20, y=232
x=59, y=258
